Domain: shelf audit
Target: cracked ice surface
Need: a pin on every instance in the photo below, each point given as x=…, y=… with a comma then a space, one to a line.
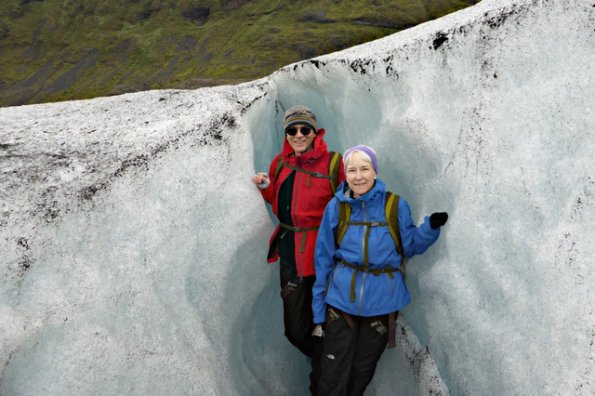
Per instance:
x=133, y=243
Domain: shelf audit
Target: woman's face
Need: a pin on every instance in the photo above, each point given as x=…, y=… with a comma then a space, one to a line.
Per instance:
x=360, y=174
x=301, y=141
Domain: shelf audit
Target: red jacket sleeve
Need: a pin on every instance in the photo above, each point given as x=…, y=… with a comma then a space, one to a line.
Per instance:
x=270, y=192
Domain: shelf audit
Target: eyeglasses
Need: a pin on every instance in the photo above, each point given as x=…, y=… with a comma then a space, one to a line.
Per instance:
x=293, y=131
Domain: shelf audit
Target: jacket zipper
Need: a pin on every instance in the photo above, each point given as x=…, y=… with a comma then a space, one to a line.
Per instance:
x=361, y=290
x=296, y=236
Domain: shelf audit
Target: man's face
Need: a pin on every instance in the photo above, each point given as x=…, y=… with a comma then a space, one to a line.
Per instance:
x=302, y=138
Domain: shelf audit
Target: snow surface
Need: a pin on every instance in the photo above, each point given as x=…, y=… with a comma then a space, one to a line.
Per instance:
x=133, y=242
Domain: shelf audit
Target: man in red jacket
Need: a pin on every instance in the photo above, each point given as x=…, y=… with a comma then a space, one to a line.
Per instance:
x=302, y=179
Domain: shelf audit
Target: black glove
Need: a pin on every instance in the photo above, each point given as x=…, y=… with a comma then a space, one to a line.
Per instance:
x=438, y=219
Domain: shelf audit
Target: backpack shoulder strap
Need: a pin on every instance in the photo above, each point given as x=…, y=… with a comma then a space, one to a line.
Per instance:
x=344, y=215
x=333, y=175
x=279, y=165
x=333, y=170
x=392, y=218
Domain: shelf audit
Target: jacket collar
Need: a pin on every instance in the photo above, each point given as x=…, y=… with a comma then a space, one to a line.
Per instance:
x=377, y=190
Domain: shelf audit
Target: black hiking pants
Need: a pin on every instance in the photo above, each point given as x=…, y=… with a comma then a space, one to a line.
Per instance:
x=298, y=320
x=352, y=347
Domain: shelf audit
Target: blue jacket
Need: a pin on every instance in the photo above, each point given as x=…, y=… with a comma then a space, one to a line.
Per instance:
x=374, y=294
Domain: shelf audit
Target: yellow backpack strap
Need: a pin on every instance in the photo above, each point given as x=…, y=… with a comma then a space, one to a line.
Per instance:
x=344, y=215
x=392, y=218
x=333, y=170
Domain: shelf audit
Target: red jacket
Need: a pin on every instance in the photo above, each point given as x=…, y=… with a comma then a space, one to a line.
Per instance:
x=309, y=199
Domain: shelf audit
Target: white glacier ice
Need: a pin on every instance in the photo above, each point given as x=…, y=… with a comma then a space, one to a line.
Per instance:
x=133, y=242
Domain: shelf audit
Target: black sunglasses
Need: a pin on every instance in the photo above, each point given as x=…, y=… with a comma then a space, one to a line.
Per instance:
x=293, y=131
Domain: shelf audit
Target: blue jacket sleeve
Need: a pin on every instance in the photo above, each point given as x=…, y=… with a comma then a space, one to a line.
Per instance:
x=324, y=259
x=416, y=240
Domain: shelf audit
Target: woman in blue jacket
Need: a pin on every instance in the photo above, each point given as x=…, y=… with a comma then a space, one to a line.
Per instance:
x=359, y=287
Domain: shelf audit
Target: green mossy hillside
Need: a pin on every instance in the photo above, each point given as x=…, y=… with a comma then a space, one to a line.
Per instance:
x=54, y=50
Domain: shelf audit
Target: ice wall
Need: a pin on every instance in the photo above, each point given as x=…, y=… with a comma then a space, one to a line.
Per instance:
x=486, y=114
x=133, y=242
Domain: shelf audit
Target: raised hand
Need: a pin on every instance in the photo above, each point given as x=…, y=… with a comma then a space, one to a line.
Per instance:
x=261, y=179
x=438, y=219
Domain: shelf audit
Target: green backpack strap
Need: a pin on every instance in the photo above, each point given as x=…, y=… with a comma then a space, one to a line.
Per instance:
x=333, y=170
x=344, y=215
x=392, y=218
x=279, y=165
